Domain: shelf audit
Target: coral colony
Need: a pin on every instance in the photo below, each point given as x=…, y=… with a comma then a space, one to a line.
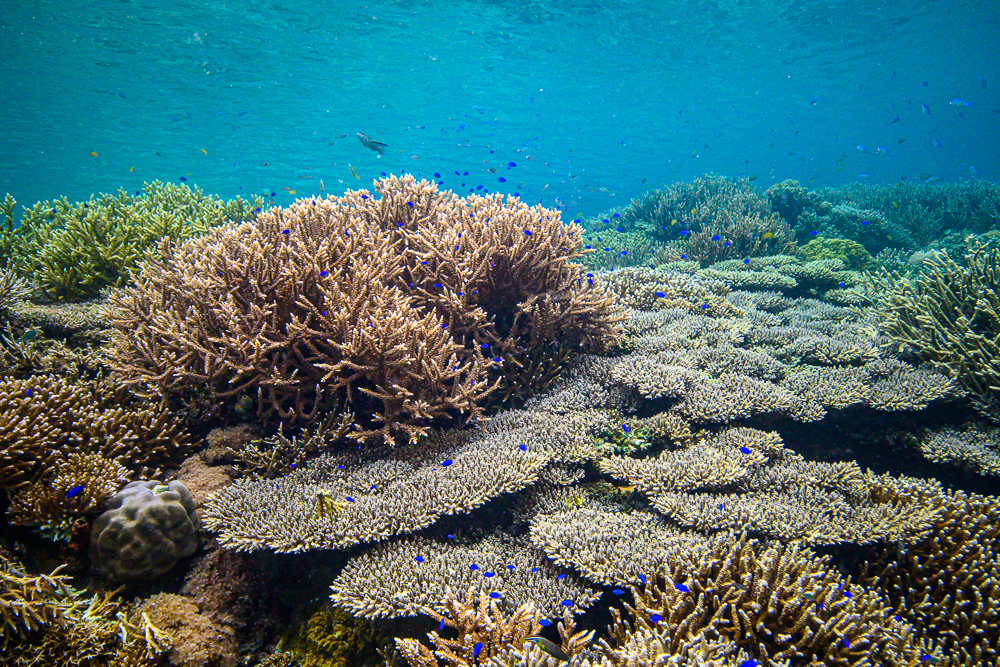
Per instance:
x=399, y=426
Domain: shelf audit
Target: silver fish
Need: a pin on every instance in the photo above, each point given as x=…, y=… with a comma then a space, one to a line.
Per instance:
x=376, y=146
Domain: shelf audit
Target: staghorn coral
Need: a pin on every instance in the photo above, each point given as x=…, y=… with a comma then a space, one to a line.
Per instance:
x=75, y=250
x=386, y=302
x=777, y=602
x=948, y=316
x=610, y=546
x=338, y=502
x=852, y=254
x=12, y=288
x=413, y=575
x=32, y=353
x=948, y=584
x=47, y=622
x=84, y=322
x=83, y=482
x=145, y=529
x=44, y=419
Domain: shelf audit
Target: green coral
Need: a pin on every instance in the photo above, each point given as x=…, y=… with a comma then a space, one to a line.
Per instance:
x=851, y=253
x=333, y=638
x=947, y=315
x=74, y=250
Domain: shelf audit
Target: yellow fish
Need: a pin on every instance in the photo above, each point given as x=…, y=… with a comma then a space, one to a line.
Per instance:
x=769, y=235
x=204, y=152
x=131, y=169
x=353, y=173
x=291, y=192
x=93, y=153
x=693, y=211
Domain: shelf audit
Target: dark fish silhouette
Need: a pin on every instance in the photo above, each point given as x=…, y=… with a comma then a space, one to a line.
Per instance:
x=376, y=146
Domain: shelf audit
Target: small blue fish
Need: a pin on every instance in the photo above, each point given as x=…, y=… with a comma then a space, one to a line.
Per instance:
x=476, y=649
x=642, y=579
x=567, y=603
x=684, y=256
x=473, y=567
x=682, y=588
x=441, y=625
x=959, y=102
x=625, y=428
x=560, y=576
x=523, y=448
x=926, y=109
x=749, y=663
x=495, y=595
x=446, y=462
x=618, y=592
x=655, y=618
x=716, y=238
x=866, y=222
x=746, y=261
x=864, y=177
x=544, y=622
x=895, y=120
x=744, y=450
x=75, y=491
x=862, y=148
x=937, y=143
x=419, y=559
x=527, y=232
x=973, y=171
x=489, y=575
x=660, y=294
x=511, y=164
x=841, y=283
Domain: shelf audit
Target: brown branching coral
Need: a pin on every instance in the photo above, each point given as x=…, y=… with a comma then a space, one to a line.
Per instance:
x=385, y=301
x=483, y=632
x=47, y=622
x=777, y=602
x=81, y=485
x=948, y=584
x=44, y=419
x=412, y=576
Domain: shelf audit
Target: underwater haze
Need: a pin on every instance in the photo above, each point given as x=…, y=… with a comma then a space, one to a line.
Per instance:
x=593, y=101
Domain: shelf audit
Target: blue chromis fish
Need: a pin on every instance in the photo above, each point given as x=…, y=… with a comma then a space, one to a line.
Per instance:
x=894, y=120
x=75, y=491
x=376, y=146
x=959, y=102
x=926, y=109
x=862, y=148
x=548, y=647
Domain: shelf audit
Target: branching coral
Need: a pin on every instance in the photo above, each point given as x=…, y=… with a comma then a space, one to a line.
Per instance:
x=779, y=603
x=75, y=250
x=331, y=637
x=47, y=622
x=81, y=485
x=44, y=419
x=948, y=584
x=483, y=632
x=948, y=315
x=388, y=302
x=198, y=640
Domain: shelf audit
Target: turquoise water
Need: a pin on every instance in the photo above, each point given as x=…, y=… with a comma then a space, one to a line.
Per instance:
x=593, y=101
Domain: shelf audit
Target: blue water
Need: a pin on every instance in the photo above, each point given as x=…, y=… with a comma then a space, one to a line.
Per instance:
x=593, y=101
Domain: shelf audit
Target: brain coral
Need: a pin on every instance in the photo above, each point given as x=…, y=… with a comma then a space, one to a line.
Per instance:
x=147, y=527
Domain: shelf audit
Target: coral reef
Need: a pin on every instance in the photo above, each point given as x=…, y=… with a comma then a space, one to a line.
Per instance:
x=44, y=419
x=331, y=637
x=852, y=254
x=777, y=602
x=47, y=622
x=145, y=529
x=409, y=576
x=82, y=484
x=948, y=316
x=12, y=288
x=75, y=250
x=716, y=218
x=975, y=449
x=341, y=501
x=948, y=584
x=197, y=640
x=486, y=636
x=388, y=302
